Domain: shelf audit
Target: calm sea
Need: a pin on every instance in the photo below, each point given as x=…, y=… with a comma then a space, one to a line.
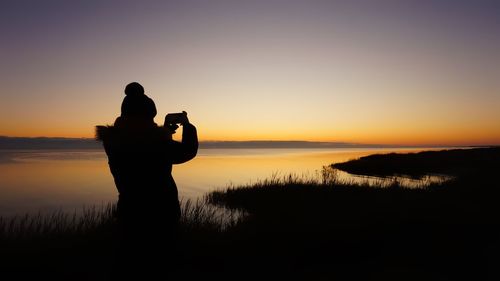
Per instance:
x=34, y=181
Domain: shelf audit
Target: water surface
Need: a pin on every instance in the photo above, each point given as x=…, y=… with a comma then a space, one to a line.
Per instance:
x=44, y=180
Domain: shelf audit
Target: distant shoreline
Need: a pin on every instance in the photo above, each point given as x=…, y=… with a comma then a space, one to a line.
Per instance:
x=59, y=143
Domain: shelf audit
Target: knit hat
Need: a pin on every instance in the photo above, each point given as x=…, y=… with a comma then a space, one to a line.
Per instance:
x=136, y=103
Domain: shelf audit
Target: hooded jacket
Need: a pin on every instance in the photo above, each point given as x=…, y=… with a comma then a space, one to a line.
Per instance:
x=141, y=158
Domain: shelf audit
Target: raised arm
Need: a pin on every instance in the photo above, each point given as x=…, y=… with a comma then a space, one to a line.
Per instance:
x=186, y=149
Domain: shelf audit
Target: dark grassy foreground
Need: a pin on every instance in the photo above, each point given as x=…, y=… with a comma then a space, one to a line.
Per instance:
x=84, y=246
x=302, y=229
x=327, y=229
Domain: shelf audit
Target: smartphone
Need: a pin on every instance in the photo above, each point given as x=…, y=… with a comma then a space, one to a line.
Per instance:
x=175, y=118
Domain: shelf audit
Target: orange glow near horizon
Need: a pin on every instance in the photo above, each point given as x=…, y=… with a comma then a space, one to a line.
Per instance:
x=390, y=136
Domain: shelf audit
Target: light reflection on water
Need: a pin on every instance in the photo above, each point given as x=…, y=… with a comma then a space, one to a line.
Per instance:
x=398, y=180
x=44, y=180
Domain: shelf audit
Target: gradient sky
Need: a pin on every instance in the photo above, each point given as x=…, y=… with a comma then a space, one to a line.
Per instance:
x=389, y=72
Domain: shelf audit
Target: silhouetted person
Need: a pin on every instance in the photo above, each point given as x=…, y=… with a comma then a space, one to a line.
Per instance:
x=141, y=155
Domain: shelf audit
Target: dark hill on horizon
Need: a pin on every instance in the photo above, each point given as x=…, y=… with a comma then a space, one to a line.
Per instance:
x=90, y=143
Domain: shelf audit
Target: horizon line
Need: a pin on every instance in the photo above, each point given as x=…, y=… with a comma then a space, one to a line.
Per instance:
x=262, y=143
